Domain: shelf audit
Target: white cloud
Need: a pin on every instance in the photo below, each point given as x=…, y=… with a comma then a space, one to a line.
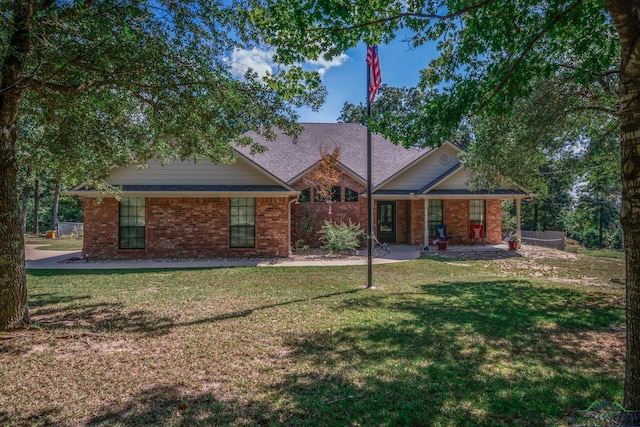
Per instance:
x=261, y=61
x=323, y=64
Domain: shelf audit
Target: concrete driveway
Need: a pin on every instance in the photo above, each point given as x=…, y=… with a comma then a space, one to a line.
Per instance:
x=44, y=259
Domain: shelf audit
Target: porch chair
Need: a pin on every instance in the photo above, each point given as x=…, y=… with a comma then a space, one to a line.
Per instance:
x=441, y=232
x=477, y=233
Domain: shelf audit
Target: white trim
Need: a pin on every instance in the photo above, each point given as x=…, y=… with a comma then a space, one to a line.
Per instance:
x=415, y=161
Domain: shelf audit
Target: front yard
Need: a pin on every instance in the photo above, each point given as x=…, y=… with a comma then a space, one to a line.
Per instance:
x=440, y=341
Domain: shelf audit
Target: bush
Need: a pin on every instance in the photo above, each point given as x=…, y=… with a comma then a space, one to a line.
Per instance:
x=340, y=238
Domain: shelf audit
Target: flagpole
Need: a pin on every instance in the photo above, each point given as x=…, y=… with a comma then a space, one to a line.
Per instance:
x=369, y=195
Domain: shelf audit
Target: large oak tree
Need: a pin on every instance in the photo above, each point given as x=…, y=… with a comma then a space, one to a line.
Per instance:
x=492, y=53
x=105, y=82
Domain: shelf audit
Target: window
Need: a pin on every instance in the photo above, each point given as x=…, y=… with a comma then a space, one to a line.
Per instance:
x=132, y=223
x=435, y=216
x=350, y=195
x=336, y=195
x=305, y=196
x=243, y=222
x=477, y=213
x=317, y=197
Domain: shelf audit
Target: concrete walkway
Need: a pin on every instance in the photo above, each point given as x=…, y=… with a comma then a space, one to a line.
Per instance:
x=44, y=259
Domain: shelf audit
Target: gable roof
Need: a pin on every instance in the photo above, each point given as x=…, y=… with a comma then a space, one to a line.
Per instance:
x=288, y=160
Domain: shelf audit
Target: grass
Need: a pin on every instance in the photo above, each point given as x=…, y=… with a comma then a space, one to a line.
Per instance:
x=439, y=342
x=67, y=244
x=604, y=253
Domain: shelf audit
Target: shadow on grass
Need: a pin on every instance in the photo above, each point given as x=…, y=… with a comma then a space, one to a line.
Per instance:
x=156, y=406
x=492, y=353
x=110, y=317
x=497, y=353
x=464, y=354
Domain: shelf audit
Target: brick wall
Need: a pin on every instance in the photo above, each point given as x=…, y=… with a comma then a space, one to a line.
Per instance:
x=185, y=227
x=494, y=221
x=340, y=211
x=456, y=217
x=417, y=222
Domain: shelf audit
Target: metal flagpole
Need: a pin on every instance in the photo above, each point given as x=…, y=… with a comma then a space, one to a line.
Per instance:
x=373, y=83
x=369, y=196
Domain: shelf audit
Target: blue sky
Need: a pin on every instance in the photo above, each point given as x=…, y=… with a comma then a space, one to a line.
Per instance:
x=345, y=77
x=399, y=66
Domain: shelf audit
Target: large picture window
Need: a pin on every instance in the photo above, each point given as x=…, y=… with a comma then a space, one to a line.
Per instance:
x=477, y=214
x=435, y=216
x=243, y=222
x=132, y=223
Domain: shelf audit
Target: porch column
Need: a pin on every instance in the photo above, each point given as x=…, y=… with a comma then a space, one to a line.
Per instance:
x=518, y=230
x=425, y=247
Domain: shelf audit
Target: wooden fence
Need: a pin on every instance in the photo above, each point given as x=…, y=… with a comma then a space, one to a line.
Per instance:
x=549, y=239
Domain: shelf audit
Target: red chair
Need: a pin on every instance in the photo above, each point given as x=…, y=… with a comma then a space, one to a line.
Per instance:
x=477, y=233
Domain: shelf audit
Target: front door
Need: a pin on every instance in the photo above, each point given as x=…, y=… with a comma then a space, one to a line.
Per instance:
x=387, y=222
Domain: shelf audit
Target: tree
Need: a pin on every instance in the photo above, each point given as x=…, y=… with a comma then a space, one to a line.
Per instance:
x=493, y=53
x=325, y=176
x=106, y=83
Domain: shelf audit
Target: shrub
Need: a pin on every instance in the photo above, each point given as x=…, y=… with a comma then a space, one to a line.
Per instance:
x=571, y=245
x=342, y=237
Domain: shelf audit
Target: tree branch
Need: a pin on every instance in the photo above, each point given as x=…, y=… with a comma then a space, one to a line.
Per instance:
x=404, y=15
x=524, y=53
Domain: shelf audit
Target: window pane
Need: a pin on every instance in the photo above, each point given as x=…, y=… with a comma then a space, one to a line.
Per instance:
x=435, y=216
x=132, y=223
x=242, y=221
x=336, y=193
x=350, y=195
x=305, y=196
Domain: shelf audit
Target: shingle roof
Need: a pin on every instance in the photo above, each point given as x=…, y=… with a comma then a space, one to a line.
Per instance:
x=287, y=160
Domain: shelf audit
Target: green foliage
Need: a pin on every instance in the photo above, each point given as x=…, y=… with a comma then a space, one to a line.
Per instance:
x=131, y=80
x=339, y=238
x=305, y=225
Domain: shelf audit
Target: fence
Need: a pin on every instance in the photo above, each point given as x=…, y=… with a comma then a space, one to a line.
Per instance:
x=549, y=239
x=69, y=228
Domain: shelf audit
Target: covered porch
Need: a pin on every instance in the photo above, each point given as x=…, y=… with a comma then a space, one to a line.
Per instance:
x=413, y=219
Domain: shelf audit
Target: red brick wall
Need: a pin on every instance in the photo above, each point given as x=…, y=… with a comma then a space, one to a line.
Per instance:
x=494, y=221
x=340, y=211
x=417, y=222
x=456, y=217
x=185, y=227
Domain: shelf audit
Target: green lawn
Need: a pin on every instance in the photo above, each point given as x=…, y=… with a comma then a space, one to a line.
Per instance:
x=67, y=244
x=439, y=342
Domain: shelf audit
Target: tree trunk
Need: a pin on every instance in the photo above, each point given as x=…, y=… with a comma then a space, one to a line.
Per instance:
x=13, y=288
x=24, y=201
x=630, y=219
x=54, y=210
x=36, y=207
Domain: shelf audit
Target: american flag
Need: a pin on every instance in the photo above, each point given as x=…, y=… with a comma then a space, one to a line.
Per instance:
x=375, y=79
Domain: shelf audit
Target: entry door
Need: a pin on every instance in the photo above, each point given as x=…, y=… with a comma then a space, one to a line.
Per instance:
x=387, y=222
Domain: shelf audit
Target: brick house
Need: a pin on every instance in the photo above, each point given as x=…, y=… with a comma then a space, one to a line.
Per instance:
x=252, y=207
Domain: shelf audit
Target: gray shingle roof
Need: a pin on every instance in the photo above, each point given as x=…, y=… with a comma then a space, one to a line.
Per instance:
x=287, y=160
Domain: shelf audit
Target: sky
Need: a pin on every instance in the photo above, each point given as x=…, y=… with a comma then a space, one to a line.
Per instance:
x=345, y=76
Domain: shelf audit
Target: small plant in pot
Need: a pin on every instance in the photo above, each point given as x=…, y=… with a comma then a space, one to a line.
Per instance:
x=514, y=242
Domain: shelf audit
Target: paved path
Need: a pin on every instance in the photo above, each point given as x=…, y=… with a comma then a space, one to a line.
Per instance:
x=43, y=259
